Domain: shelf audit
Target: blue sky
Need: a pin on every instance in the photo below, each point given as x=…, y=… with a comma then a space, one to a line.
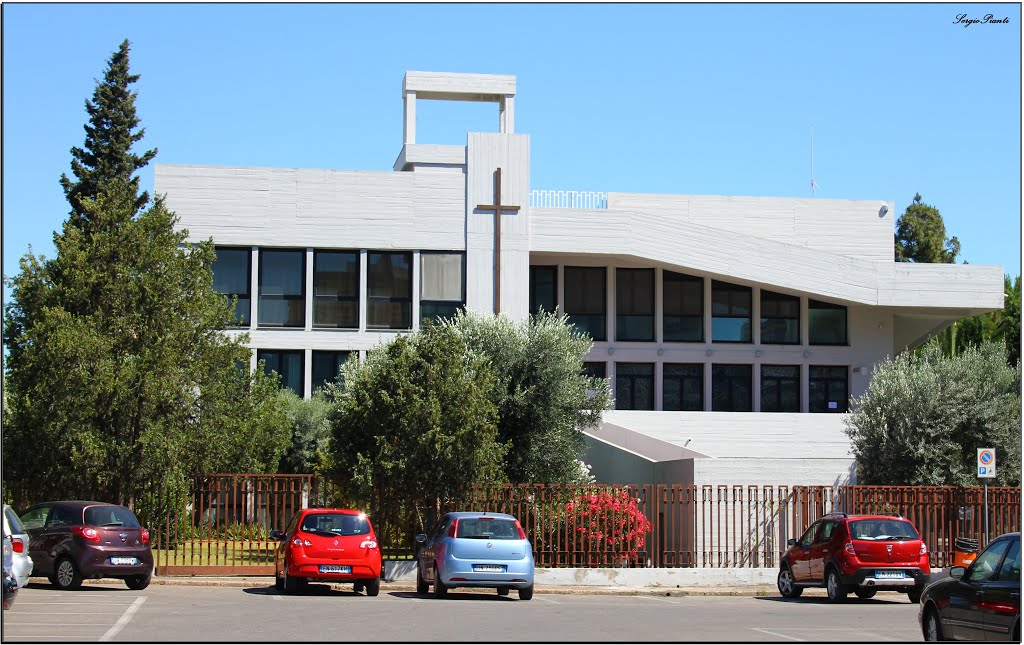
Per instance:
x=700, y=99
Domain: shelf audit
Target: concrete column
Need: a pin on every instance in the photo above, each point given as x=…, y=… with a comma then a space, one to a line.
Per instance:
x=708, y=360
x=309, y=289
x=254, y=289
x=416, y=289
x=409, y=131
x=307, y=373
x=506, y=116
x=805, y=386
x=610, y=303
x=363, y=291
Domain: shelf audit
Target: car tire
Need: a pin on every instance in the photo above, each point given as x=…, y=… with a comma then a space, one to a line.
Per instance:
x=503, y=591
x=421, y=585
x=915, y=595
x=834, y=586
x=440, y=591
x=865, y=594
x=66, y=575
x=291, y=583
x=787, y=584
x=358, y=586
x=932, y=628
x=278, y=581
x=139, y=582
x=526, y=593
x=373, y=587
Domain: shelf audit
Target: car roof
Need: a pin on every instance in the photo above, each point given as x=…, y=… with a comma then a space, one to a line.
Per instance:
x=865, y=517
x=346, y=511
x=75, y=503
x=460, y=514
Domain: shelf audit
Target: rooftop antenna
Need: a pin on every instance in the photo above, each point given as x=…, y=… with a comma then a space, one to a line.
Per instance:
x=814, y=184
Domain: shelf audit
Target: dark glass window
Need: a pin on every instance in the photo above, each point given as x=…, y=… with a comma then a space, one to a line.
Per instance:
x=634, y=386
x=442, y=284
x=780, y=319
x=288, y=364
x=595, y=369
x=682, y=386
x=586, y=290
x=389, y=283
x=730, y=312
x=543, y=289
x=731, y=388
x=683, y=315
x=327, y=367
x=780, y=388
x=634, y=304
x=826, y=323
x=232, y=276
x=336, y=289
x=828, y=388
x=282, y=288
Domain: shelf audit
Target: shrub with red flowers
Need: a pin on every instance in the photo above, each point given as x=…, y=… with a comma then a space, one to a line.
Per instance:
x=608, y=525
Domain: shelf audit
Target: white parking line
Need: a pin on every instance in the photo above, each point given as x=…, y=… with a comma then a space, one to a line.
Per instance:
x=765, y=631
x=124, y=619
x=672, y=602
x=547, y=600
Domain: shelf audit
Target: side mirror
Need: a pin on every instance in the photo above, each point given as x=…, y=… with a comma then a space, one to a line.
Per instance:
x=791, y=542
x=957, y=572
x=420, y=538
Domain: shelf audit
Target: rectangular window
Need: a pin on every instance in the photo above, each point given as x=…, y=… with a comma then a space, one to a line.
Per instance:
x=828, y=388
x=586, y=290
x=731, y=389
x=288, y=364
x=595, y=369
x=682, y=386
x=826, y=323
x=232, y=276
x=543, y=289
x=442, y=284
x=634, y=386
x=336, y=289
x=780, y=319
x=634, y=304
x=780, y=388
x=327, y=367
x=282, y=288
x=730, y=312
x=389, y=286
x=683, y=316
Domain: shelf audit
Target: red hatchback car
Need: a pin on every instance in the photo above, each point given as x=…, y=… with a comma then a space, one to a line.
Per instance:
x=861, y=554
x=328, y=544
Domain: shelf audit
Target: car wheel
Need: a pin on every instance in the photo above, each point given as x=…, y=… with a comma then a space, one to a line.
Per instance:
x=864, y=594
x=526, y=593
x=291, y=583
x=358, y=586
x=66, y=575
x=915, y=595
x=421, y=585
x=373, y=587
x=278, y=581
x=440, y=591
x=502, y=591
x=931, y=628
x=139, y=582
x=834, y=586
x=787, y=584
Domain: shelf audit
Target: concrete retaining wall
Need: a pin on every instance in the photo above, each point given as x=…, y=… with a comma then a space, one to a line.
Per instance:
x=670, y=578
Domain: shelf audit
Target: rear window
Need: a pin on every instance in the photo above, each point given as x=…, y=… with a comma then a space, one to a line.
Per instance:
x=487, y=528
x=335, y=524
x=110, y=516
x=13, y=522
x=883, y=530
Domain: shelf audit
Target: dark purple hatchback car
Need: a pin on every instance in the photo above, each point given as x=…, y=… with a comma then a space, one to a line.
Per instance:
x=72, y=541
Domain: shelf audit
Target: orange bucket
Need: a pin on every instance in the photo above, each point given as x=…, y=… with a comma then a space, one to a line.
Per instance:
x=963, y=559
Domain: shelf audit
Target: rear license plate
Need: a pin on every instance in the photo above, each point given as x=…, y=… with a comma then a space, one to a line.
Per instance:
x=888, y=574
x=116, y=560
x=489, y=568
x=334, y=568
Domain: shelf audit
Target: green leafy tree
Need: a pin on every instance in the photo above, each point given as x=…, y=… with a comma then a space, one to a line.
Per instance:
x=117, y=369
x=544, y=400
x=925, y=414
x=921, y=236
x=1000, y=326
x=311, y=431
x=1009, y=324
x=415, y=422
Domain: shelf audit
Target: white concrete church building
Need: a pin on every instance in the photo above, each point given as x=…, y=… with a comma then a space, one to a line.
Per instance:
x=734, y=330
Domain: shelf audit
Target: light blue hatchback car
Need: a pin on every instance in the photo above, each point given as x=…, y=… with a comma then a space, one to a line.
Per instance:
x=475, y=550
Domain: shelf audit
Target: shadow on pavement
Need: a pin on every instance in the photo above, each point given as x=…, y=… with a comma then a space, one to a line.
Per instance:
x=455, y=595
x=822, y=600
x=311, y=589
x=86, y=587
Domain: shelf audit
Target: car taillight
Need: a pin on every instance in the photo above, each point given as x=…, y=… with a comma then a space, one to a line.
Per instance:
x=849, y=548
x=300, y=542
x=522, y=533
x=145, y=536
x=87, y=533
x=17, y=545
x=453, y=528
x=924, y=549
x=368, y=544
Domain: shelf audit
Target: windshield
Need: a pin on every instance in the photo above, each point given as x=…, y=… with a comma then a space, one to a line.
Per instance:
x=101, y=516
x=883, y=530
x=487, y=528
x=13, y=521
x=335, y=524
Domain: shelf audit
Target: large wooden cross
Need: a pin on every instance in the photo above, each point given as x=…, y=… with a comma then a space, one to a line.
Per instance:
x=498, y=209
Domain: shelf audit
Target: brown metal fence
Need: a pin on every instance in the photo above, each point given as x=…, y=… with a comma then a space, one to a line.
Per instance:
x=221, y=525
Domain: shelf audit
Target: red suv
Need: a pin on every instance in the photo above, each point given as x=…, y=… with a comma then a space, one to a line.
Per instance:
x=330, y=544
x=856, y=553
